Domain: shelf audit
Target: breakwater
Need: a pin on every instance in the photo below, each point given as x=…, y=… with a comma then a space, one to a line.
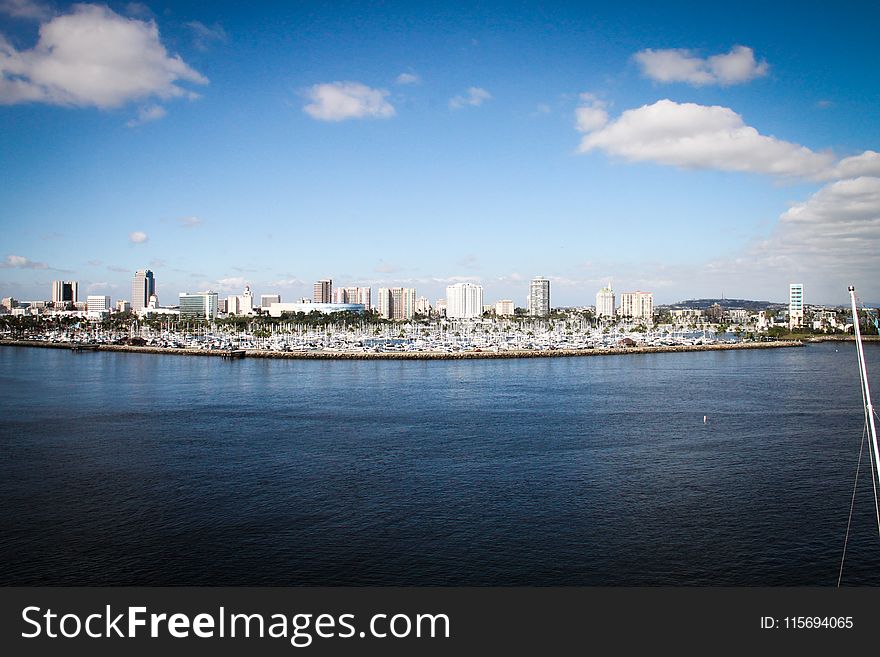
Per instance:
x=420, y=355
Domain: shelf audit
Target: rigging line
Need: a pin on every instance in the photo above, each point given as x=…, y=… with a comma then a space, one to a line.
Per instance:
x=874, y=483
x=852, y=505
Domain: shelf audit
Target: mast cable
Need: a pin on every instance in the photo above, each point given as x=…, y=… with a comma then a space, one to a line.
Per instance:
x=852, y=505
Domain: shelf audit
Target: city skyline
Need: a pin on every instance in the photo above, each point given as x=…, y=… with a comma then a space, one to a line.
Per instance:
x=681, y=149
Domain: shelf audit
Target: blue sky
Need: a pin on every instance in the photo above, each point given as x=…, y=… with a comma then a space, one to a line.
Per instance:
x=674, y=147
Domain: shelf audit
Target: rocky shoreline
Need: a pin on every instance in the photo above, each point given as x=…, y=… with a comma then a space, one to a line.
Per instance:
x=426, y=355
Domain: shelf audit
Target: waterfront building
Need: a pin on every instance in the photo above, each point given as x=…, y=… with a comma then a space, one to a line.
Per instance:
x=539, y=297
x=504, y=308
x=440, y=307
x=464, y=301
x=198, y=306
x=223, y=306
x=359, y=295
x=278, y=309
x=605, y=305
x=242, y=304
x=142, y=288
x=795, y=305
x=323, y=291
x=267, y=300
x=423, y=306
x=396, y=303
x=233, y=305
x=9, y=303
x=65, y=293
x=98, y=305
x=637, y=305
x=123, y=306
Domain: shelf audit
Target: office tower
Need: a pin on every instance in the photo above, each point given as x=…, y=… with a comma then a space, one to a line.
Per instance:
x=267, y=300
x=504, y=308
x=98, y=305
x=423, y=306
x=795, y=305
x=198, y=306
x=637, y=305
x=65, y=292
x=396, y=303
x=464, y=301
x=359, y=295
x=539, y=297
x=247, y=301
x=605, y=302
x=123, y=306
x=323, y=291
x=142, y=288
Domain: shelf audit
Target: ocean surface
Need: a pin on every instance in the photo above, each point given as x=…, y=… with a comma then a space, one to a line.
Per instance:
x=139, y=469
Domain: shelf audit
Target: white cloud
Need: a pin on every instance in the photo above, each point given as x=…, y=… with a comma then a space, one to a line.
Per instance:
x=190, y=222
x=338, y=101
x=25, y=9
x=287, y=282
x=20, y=262
x=205, y=36
x=138, y=237
x=147, y=114
x=866, y=164
x=704, y=137
x=475, y=97
x=93, y=57
x=231, y=284
x=827, y=242
x=682, y=65
x=591, y=114
x=408, y=78
x=840, y=221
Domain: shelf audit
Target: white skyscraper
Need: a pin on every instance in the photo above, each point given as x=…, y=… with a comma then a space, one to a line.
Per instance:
x=464, y=301
x=142, y=288
x=98, y=306
x=397, y=303
x=637, y=305
x=605, y=302
x=539, y=297
x=795, y=305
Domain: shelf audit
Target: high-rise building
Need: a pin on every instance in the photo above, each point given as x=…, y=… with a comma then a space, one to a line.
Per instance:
x=267, y=300
x=123, y=306
x=423, y=306
x=396, y=303
x=464, y=301
x=65, y=292
x=637, y=305
x=98, y=305
x=242, y=304
x=323, y=291
x=795, y=305
x=198, y=306
x=359, y=295
x=539, y=297
x=605, y=302
x=142, y=288
x=504, y=308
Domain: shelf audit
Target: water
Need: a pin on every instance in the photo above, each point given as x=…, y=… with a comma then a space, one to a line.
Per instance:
x=144, y=469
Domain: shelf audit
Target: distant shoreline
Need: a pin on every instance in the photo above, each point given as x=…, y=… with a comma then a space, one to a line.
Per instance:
x=422, y=355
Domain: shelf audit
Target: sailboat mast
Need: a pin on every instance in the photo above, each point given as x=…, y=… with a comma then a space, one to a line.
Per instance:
x=863, y=370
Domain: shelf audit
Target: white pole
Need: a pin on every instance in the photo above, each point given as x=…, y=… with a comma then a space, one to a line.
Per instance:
x=863, y=370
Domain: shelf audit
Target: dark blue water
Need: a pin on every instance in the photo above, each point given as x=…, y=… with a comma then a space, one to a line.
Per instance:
x=144, y=469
